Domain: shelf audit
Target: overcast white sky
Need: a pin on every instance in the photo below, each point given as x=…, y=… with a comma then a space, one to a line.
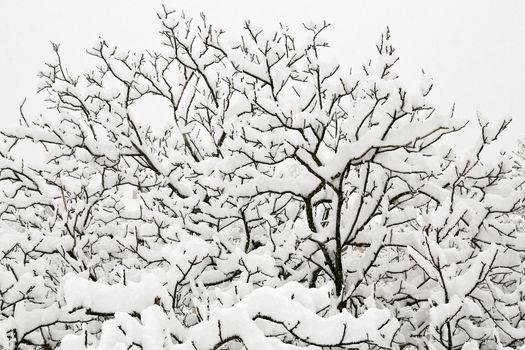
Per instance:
x=473, y=49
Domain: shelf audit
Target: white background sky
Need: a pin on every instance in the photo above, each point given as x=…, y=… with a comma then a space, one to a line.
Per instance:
x=473, y=49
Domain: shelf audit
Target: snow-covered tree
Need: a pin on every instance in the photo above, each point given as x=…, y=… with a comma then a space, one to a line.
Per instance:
x=290, y=203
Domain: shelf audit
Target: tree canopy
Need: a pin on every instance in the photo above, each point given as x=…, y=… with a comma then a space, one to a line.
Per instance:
x=290, y=203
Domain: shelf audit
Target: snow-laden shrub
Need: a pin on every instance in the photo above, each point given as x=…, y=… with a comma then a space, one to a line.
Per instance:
x=290, y=203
